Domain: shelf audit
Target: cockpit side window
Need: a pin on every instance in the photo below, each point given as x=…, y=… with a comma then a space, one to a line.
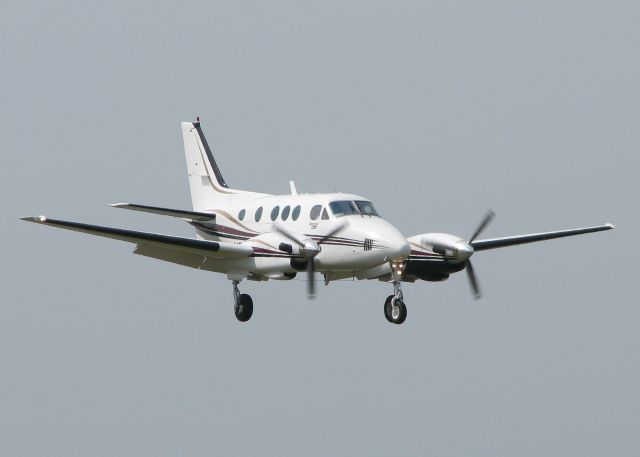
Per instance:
x=366, y=208
x=315, y=212
x=325, y=215
x=343, y=208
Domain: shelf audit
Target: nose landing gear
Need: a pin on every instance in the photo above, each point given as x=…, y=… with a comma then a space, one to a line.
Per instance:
x=243, y=305
x=394, y=308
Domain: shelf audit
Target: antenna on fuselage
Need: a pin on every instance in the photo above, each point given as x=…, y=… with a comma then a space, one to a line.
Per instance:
x=292, y=185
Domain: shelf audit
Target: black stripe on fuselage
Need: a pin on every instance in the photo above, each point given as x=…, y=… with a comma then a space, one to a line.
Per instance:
x=337, y=241
x=222, y=234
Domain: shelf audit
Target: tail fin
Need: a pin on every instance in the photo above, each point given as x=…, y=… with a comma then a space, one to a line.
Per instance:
x=208, y=188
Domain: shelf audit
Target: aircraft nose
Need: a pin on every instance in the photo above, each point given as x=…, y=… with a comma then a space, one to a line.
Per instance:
x=397, y=248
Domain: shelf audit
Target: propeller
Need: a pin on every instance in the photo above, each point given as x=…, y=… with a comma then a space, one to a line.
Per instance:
x=475, y=288
x=473, y=280
x=309, y=249
x=483, y=225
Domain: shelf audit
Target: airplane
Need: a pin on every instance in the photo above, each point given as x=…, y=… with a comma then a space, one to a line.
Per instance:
x=256, y=236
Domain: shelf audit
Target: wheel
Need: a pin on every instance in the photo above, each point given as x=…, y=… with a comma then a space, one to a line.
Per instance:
x=244, y=308
x=395, y=314
x=387, y=308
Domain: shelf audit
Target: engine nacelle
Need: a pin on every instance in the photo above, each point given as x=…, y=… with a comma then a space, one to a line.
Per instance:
x=280, y=276
x=454, y=248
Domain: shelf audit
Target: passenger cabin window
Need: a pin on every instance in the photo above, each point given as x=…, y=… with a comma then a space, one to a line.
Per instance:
x=241, y=214
x=295, y=213
x=285, y=212
x=315, y=212
x=325, y=215
x=343, y=208
x=274, y=213
x=366, y=208
x=258, y=214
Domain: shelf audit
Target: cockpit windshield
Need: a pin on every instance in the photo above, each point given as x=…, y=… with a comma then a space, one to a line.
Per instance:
x=366, y=208
x=349, y=208
x=343, y=208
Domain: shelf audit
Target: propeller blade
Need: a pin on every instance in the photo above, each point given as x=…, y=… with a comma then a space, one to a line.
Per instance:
x=311, y=278
x=309, y=249
x=340, y=226
x=483, y=225
x=289, y=235
x=475, y=288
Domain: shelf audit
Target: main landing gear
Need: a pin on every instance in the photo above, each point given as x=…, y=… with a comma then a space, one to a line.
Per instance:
x=243, y=304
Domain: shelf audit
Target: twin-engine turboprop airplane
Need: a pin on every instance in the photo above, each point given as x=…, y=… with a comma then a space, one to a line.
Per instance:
x=248, y=235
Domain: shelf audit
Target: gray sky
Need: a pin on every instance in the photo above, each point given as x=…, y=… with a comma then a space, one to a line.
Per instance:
x=436, y=111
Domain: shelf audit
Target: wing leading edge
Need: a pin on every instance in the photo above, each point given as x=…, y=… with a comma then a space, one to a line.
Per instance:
x=493, y=243
x=146, y=240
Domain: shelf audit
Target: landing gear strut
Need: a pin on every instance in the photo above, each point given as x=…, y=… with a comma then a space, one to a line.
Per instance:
x=243, y=304
x=394, y=308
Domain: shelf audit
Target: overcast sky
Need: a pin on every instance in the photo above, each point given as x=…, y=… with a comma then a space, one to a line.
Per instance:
x=437, y=111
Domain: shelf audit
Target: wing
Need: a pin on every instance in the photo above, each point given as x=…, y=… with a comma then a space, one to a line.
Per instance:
x=169, y=246
x=181, y=213
x=493, y=243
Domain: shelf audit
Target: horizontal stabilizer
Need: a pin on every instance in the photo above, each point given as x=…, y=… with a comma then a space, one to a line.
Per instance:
x=493, y=243
x=183, y=214
x=213, y=249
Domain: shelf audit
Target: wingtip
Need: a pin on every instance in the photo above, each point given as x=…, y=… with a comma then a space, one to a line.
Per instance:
x=39, y=219
x=609, y=225
x=117, y=205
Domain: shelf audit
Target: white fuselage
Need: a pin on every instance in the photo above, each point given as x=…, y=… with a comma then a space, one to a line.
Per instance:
x=366, y=241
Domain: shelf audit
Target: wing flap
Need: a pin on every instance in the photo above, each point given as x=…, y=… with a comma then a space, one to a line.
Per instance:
x=170, y=255
x=204, y=248
x=180, y=213
x=493, y=243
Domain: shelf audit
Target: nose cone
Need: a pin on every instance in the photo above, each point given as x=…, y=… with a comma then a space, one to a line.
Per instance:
x=390, y=242
x=397, y=248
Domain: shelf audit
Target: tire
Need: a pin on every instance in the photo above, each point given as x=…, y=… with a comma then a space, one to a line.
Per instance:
x=388, y=310
x=244, y=308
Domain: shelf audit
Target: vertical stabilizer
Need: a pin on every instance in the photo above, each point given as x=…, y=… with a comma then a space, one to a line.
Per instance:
x=208, y=188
